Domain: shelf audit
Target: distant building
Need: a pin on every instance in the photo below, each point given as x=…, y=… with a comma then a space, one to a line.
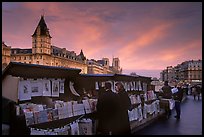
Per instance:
x=187, y=72
x=42, y=52
x=6, y=55
x=102, y=67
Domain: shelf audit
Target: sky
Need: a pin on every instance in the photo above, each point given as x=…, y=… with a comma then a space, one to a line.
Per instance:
x=146, y=36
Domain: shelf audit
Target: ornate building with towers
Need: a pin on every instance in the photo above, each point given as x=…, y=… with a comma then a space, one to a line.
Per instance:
x=44, y=53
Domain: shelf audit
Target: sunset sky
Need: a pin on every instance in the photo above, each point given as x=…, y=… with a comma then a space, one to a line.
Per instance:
x=146, y=36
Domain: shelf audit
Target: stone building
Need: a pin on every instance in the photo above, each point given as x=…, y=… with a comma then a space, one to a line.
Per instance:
x=188, y=72
x=44, y=53
x=6, y=55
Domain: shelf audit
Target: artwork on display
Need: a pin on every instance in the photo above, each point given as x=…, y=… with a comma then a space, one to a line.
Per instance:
x=128, y=86
x=96, y=85
x=62, y=86
x=55, y=88
x=46, y=88
x=74, y=128
x=140, y=86
x=144, y=87
x=137, y=85
x=125, y=86
x=140, y=116
x=86, y=106
x=24, y=90
x=134, y=85
x=36, y=87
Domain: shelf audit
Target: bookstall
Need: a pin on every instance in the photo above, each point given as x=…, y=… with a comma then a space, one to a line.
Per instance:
x=47, y=101
x=146, y=105
x=60, y=101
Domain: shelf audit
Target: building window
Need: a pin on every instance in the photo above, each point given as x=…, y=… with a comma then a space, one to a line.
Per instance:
x=41, y=57
x=41, y=45
x=41, y=50
x=29, y=62
x=25, y=58
x=37, y=62
x=20, y=58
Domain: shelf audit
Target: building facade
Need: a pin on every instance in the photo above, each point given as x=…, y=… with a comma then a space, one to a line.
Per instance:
x=6, y=55
x=44, y=53
x=188, y=72
x=102, y=67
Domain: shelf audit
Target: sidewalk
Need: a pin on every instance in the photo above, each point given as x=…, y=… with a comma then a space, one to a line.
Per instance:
x=189, y=124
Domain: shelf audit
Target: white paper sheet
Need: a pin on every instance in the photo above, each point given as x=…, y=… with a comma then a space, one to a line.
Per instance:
x=55, y=88
x=24, y=90
x=61, y=85
x=36, y=87
x=74, y=129
x=140, y=86
x=46, y=88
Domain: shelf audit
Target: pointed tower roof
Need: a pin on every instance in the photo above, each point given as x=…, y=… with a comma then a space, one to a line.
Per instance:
x=43, y=28
x=82, y=55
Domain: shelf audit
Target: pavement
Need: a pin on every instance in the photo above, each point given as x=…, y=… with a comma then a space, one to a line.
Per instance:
x=190, y=122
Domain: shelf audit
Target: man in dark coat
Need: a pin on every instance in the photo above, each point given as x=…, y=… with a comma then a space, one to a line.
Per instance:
x=177, y=96
x=167, y=94
x=125, y=105
x=107, y=107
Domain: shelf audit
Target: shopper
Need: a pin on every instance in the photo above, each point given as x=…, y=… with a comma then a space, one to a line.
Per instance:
x=125, y=105
x=107, y=108
x=177, y=96
x=167, y=94
x=194, y=92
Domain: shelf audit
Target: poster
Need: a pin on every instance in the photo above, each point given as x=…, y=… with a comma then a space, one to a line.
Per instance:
x=46, y=88
x=137, y=86
x=140, y=86
x=24, y=90
x=61, y=86
x=36, y=87
x=55, y=88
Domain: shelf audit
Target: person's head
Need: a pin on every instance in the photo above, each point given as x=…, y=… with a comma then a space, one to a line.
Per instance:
x=166, y=83
x=119, y=87
x=108, y=85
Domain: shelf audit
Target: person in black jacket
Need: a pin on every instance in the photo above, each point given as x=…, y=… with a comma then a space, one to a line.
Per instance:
x=177, y=96
x=107, y=108
x=125, y=105
x=167, y=94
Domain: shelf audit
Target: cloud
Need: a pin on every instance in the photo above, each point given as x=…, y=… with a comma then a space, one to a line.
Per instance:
x=145, y=39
